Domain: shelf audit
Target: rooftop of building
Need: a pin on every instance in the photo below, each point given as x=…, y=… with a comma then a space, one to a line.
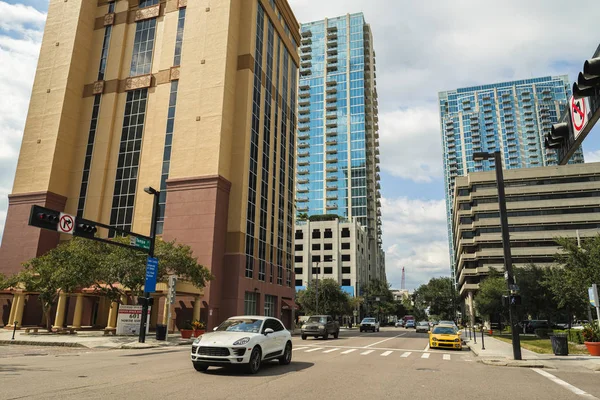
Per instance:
x=564, y=78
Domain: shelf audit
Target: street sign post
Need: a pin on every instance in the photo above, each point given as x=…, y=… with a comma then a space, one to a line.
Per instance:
x=140, y=242
x=151, y=272
x=170, y=300
x=595, y=300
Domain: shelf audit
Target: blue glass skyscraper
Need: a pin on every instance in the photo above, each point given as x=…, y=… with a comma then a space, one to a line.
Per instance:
x=510, y=117
x=338, y=140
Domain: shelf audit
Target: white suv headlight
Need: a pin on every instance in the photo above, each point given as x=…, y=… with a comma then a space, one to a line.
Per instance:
x=241, y=342
x=197, y=340
x=321, y=327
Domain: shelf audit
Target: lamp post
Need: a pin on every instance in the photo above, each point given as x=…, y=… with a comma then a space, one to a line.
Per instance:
x=510, y=280
x=153, y=222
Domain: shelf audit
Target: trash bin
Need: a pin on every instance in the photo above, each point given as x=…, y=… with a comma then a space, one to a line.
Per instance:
x=161, y=332
x=560, y=344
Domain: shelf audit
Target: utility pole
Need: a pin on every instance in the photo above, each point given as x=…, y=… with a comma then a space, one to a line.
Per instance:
x=147, y=299
x=317, y=295
x=508, y=275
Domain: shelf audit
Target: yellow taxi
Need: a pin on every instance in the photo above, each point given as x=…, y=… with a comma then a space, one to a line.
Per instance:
x=445, y=337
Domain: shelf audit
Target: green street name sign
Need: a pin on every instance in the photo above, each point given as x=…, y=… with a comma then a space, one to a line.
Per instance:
x=139, y=242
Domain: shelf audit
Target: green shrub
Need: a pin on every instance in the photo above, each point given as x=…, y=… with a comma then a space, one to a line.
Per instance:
x=543, y=333
x=574, y=335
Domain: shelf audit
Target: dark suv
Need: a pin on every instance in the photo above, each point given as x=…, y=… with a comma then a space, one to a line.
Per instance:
x=533, y=324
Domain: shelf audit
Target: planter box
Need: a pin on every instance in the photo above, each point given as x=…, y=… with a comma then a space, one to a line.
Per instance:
x=593, y=348
x=198, y=332
x=186, y=333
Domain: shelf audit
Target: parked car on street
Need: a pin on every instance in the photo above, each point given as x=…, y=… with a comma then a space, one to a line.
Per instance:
x=320, y=325
x=422, y=326
x=369, y=324
x=533, y=324
x=410, y=323
x=399, y=324
x=243, y=341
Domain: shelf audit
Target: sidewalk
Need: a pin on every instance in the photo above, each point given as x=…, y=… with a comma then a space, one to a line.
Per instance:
x=89, y=339
x=500, y=353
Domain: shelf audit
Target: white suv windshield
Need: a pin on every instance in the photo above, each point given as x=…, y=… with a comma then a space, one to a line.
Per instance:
x=369, y=320
x=241, y=325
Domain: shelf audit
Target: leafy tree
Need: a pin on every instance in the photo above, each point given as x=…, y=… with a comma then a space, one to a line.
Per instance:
x=332, y=299
x=537, y=299
x=110, y=270
x=437, y=296
x=566, y=292
x=302, y=216
x=379, y=289
x=488, y=300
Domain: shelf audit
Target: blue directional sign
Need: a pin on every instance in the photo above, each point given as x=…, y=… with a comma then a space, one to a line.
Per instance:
x=151, y=272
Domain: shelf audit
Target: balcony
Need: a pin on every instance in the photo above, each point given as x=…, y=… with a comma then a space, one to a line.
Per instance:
x=332, y=45
x=331, y=124
x=332, y=197
x=331, y=133
x=331, y=160
x=304, y=86
x=303, y=145
x=303, y=209
x=331, y=98
x=306, y=41
x=329, y=116
x=332, y=169
x=304, y=95
x=331, y=150
x=303, y=181
x=306, y=57
x=331, y=187
x=304, y=128
x=303, y=163
x=303, y=153
x=307, y=34
x=305, y=72
x=302, y=190
x=331, y=83
x=332, y=179
x=331, y=107
x=306, y=64
x=332, y=206
x=306, y=49
x=332, y=67
x=304, y=111
x=304, y=102
x=303, y=136
x=304, y=120
x=302, y=199
x=332, y=142
x=331, y=90
x=332, y=52
x=332, y=35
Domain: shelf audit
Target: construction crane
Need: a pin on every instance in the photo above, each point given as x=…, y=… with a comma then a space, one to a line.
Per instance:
x=403, y=283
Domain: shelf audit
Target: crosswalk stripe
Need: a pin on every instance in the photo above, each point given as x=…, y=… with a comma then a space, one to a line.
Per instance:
x=386, y=353
x=300, y=348
x=315, y=349
x=364, y=353
x=348, y=351
x=425, y=355
x=329, y=351
x=404, y=355
x=447, y=357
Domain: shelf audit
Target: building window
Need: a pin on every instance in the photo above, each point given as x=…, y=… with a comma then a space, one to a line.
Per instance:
x=316, y=270
x=316, y=234
x=179, y=38
x=328, y=270
x=298, y=282
x=327, y=246
x=345, y=246
x=328, y=234
x=316, y=246
x=345, y=257
x=327, y=258
x=141, y=61
x=298, y=259
x=298, y=247
x=270, y=302
x=299, y=234
x=250, y=303
x=345, y=232
x=316, y=258
x=298, y=271
x=345, y=270
x=346, y=282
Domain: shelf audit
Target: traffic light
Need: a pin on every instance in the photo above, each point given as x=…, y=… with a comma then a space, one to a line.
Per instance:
x=558, y=136
x=85, y=228
x=588, y=81
x=44, y=218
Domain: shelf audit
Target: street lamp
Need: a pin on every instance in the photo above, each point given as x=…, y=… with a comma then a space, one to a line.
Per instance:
x=150, y=190
x=510, y=280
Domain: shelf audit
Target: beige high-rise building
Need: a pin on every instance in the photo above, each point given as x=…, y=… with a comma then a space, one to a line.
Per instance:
x=195, y=98
x=542, y=204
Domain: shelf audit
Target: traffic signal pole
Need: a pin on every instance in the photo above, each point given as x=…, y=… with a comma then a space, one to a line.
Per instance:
x=153, y=223
x=510, y=280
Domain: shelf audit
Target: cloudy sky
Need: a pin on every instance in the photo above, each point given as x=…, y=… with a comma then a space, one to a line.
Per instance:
x=422, y=48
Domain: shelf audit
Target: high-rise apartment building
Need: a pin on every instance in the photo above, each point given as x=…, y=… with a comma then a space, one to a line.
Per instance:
x=338, y=139
x=196, y=98
x=510, y=117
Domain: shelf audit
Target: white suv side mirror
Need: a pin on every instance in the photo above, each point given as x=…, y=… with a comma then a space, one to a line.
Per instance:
x=268, y=331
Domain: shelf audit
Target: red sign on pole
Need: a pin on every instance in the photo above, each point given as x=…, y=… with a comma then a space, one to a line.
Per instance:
x=66, y=224
x=579, y=117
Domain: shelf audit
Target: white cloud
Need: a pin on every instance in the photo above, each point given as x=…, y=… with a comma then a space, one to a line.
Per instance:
x=592, y=156
x=21, y=29
x=417, y=231
x=410, y=144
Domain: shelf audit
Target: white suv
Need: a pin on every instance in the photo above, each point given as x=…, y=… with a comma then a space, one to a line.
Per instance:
x=369, y=324
x=245, y=340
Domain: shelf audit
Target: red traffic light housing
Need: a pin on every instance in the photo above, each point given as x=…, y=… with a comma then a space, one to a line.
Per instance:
x=44, y=218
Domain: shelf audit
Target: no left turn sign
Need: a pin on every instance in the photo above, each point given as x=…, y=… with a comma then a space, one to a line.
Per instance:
x=578, y=115
x=66, y=224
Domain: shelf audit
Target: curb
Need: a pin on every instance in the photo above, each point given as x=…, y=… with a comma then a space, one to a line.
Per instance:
x=33, y=343
x=512, y=363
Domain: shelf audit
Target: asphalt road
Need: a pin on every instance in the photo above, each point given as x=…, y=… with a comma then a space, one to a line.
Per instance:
x=394, y=363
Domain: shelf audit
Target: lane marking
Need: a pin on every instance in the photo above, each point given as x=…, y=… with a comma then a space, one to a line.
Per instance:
x=385, y=340
x=386, y=353
x=313, y=349
x=324, y=346
x=564, y=384
x=364, y=353
x=348, y=351
x=426, y=347
x=446, y=357
x=404, y=355
x=299, y=348
x=425, y=355
x=330, y=351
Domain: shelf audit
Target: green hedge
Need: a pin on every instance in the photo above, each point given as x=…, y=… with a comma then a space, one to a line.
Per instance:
x=325, y=217
x=543, y=333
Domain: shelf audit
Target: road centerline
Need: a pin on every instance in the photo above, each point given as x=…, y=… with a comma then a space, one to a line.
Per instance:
x=385, y=340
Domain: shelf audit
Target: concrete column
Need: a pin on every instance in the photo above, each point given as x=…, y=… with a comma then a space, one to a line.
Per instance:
x=112, y=315
x=19, y=310
x=60, y=310
x=471, y=310
x=165, y=320
x=13, y=309
x=78, y=311
x=197, y=304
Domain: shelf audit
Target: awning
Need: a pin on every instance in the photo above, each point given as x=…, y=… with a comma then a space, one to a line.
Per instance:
x=288, y=304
